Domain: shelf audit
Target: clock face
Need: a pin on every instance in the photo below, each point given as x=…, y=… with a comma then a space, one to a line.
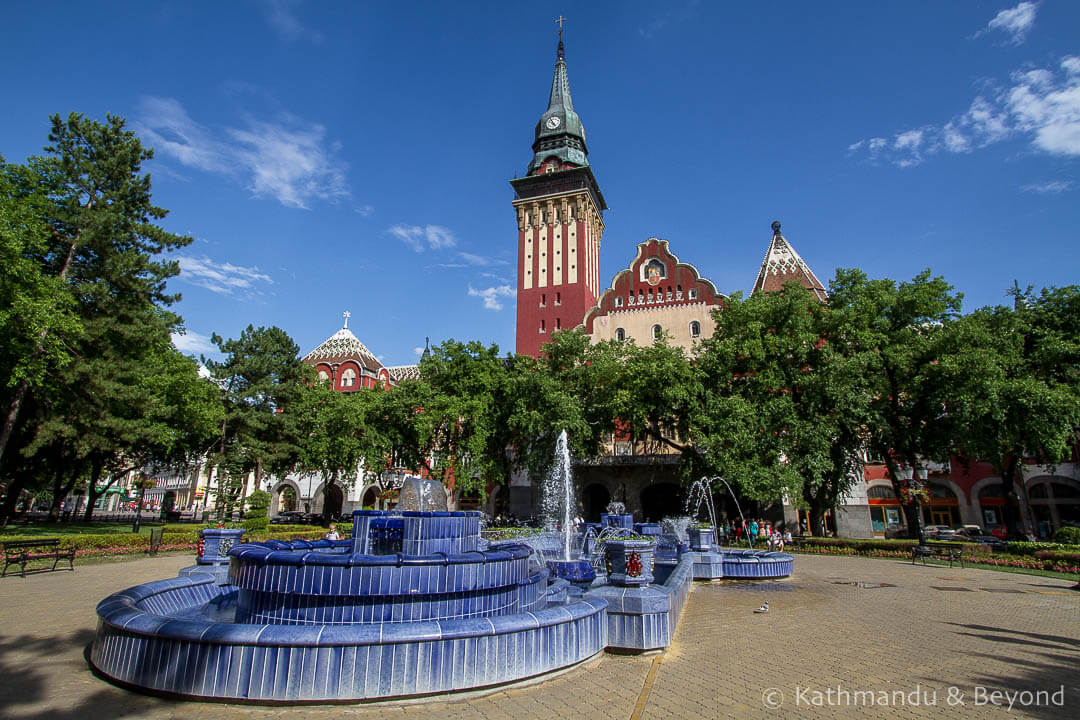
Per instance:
x=553, y=122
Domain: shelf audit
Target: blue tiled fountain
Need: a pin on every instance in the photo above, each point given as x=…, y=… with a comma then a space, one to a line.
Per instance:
x=415, y=603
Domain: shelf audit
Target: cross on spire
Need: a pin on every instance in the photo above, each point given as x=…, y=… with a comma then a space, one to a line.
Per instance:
x=347, y=315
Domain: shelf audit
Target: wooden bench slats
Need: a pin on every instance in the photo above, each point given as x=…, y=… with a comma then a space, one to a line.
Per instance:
x=21, y=552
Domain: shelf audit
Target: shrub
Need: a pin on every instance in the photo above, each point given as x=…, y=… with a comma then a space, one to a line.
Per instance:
x=1067, y=535
x=255, y=519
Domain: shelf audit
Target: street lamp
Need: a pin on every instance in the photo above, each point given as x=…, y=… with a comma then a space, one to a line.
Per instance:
x=912, y=485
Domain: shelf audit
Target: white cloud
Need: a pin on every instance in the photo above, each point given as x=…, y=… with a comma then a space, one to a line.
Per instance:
x=364, y=210
x=1050, y=187
x=1039, y=103
x=222, y=278
x=491, y=295
x=279, y=15
x=419, y=238
x=1014, y=22
x=1049, y=109
x=291, y=165
x=193, y=343
x=287, y=160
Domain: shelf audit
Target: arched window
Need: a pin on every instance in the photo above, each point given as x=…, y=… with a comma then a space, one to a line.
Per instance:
x=618, y=302
x=324, y=376
x=657, y=332
x=695, y=329
x=693, y=293
x=880, y=492
x=620, y=334
x=348, y=377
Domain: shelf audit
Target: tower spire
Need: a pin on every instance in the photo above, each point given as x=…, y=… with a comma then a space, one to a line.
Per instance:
x=559, y=142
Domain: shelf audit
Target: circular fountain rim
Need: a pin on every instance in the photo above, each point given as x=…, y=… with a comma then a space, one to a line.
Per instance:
x=288, y=552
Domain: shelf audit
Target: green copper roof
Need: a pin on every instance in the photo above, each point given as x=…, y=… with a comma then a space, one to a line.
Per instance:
x=559, y=132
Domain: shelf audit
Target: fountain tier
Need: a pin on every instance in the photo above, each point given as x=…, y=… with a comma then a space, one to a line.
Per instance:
x=411, y=605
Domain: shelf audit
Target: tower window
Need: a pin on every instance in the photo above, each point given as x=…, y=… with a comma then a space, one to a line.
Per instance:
x=657, y=332
x=543, y=299
x=558, y=298
x=558, y=323
x=543, y=326
x=693, y=293
x=620, y=334
x=618, y=302
x=695, y=329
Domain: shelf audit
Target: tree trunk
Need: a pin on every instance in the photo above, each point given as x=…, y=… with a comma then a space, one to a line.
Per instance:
x=1012, y=513
x=92, y=493
x=14, y=490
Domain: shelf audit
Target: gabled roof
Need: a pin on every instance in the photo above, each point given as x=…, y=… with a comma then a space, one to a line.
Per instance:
x=398, y=373
x=782, y=265
x=343, y=345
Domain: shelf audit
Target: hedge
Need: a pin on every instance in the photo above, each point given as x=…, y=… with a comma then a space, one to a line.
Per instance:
x=975, y=553
x=113, y=544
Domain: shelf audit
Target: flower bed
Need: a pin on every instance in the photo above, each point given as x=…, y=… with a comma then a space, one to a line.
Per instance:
x=975, y=553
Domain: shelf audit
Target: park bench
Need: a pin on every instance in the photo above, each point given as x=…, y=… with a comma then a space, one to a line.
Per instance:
x=23, y=551
x=953, y=552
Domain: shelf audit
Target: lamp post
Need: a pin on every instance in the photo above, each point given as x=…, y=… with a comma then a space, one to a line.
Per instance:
x=142, y=484
x=911, y=481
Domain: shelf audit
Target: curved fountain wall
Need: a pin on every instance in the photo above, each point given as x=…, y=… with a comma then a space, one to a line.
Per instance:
x=411, y=605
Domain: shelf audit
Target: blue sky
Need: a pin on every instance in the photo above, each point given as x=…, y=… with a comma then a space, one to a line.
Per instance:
x=347, y=155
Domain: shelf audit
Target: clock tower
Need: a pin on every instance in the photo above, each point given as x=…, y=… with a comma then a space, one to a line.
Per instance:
x=560, y=222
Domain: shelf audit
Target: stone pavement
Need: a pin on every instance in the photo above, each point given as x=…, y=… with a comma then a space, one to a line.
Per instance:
x=843, y=637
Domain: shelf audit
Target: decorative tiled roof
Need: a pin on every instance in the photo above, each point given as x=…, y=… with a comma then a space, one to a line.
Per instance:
x=403, y=372
x=343, y=345
x=782, y=265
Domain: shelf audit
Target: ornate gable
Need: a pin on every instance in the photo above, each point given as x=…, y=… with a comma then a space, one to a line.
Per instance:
x=782, y=265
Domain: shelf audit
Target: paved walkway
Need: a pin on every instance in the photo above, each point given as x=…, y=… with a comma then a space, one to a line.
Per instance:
x=843, y=636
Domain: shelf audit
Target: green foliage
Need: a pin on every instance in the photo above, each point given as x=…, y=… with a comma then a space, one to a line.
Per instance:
x=262, y=380
x=1067, y=535
x=88, y=246
x=255, y=519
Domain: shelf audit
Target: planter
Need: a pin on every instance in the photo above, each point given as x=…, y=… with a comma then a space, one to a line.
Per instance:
x=215, y=543
x=648, y=529
x=630, y=562
x=701, y=539
x=622, y=520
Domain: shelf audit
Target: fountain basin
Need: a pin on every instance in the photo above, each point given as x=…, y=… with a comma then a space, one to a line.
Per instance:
x=743, y=564
x=317, y=621
x=575, y=571
x=156, y=637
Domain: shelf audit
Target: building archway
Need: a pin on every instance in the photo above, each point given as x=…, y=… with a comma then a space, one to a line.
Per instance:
x=661, y=500
x=1054, y=501
x=334, y=501
x=284, y=498
x=594, y=499
x=370, y=498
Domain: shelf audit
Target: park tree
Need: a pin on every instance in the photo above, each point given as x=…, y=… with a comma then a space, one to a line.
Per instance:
x=784, y=413
x=38, y=324
x=100, y=278
x=103, y=243
x=1010, y=379
x=339, y=433
x=891, y=336
x=260, y=378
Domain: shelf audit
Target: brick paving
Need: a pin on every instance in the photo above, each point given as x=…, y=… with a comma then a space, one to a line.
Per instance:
x=840, y=625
